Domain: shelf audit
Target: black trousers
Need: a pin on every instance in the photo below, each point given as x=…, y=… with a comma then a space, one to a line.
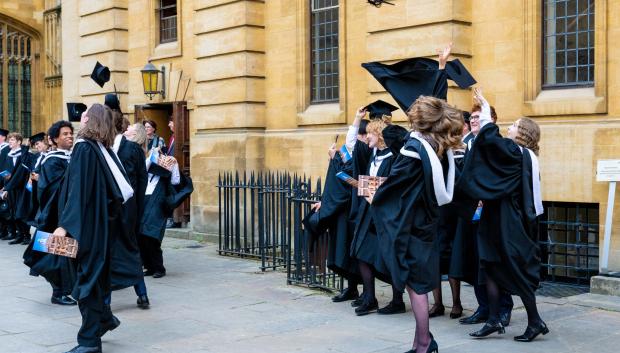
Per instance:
x=152, y=256
x=92, y=310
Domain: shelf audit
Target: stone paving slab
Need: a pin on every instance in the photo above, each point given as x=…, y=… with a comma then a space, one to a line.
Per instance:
x=213, y=304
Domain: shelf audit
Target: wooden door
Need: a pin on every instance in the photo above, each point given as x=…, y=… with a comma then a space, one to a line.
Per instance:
x=180, y=116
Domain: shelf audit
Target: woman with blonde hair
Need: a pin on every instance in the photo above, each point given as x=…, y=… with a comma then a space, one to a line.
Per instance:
x=405, y=208
x=137, y=133
x=504, y=174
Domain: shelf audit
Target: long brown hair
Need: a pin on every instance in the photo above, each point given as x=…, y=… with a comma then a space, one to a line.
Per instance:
x=100, y=125
x=438, y=122
x=528, y=134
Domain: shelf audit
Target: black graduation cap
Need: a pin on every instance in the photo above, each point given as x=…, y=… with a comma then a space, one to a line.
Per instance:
x=111, y=100
x=408, y=79
x=75, y=111
x=101, y=74
x=379, y=108
x=4, y=132
x=36, y=138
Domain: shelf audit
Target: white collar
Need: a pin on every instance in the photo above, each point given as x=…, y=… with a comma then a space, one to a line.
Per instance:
x=536, y=189
x=117, y=143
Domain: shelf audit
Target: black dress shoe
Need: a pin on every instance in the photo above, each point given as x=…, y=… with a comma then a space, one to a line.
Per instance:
x=17, y=240
x=531, y=332
x=436, y=310
x=63, y=300
x=392, y=308
x=367, y=308
x=505, y=318
x=476, y=318
x=346, y=294
x=159, y=274
x=488, y=329
x=357, y=302
x=143, y=302
x=11, y=236
x=109, y=325
x=26, y=241
x=82, y=349
x=148, y=273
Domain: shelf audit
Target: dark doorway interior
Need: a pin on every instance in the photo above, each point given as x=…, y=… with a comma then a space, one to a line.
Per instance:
x=160, y=113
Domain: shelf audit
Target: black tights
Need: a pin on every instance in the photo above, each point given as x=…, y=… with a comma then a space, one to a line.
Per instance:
x=529, y=301
x=368, y=279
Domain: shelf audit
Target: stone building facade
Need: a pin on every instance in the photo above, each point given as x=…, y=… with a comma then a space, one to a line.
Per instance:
x=248, y=71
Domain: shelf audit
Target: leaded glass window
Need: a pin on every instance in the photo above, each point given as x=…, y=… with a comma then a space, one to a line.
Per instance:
x=167, y=21
x=16, y=80
x=324, y=43
x=568, y=43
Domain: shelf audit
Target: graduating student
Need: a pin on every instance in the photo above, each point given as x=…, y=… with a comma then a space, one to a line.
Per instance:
x=126, y=260
x=331, y=214
x=90, y=205
x=39, y=142
x=4, y=212
x=405, y=208
x=57, y=270
x=167, y=188
x=465, y=260
x=503, y=173
x=18, y=164
x=364, y=246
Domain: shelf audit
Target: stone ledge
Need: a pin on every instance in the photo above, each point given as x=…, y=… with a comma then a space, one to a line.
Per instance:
x=605, y=285
x=188, y=234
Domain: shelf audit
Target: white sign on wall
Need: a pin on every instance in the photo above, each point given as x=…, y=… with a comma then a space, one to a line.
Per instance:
x=608, y=170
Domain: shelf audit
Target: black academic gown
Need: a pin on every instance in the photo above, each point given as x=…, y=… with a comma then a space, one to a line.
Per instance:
x=333, y=217
x=126, y=264
x=156, y=210
x=58, y=270
x=406, y=214
x=18, y=196
x=90, y=211
x=366, y=242
x=34, y=199
x=497, y=172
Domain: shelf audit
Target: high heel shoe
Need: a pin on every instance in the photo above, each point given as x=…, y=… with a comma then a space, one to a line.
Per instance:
x=433, y=347
x=532, y=332
x=488, y=329
x=430, y=351
x=436, y=310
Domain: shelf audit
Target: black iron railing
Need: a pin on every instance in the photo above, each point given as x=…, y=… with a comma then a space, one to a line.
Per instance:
x=260, y=217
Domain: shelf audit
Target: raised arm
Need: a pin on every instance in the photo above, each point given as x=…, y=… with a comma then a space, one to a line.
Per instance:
x=353, y=129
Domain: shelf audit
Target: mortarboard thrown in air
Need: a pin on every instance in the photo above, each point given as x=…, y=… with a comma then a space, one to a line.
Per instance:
x=100, y=74
x=36, y=138
x=379, y=108
x=75, y=111
x=408, y=79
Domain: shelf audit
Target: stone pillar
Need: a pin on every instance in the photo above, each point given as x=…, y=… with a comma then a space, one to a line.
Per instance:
x=229, y=114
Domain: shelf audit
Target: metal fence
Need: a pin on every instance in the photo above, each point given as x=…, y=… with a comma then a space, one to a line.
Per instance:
x=260, y=217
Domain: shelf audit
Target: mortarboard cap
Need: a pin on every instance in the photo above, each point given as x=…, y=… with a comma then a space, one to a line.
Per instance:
x=4, y=132
x=101, y=74
x=459, y=74
x=112, y=102
x=36, y=138
x=379, y=108
x=75, y=111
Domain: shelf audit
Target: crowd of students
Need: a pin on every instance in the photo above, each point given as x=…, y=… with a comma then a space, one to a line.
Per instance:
x=458, y=199
x=104, y=188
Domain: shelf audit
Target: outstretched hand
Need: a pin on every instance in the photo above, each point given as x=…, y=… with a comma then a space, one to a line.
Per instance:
x=479, y=98
x=361, y=113
x=444, y=54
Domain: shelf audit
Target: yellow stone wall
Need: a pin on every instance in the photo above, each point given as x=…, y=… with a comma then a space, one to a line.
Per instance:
x=249, y=94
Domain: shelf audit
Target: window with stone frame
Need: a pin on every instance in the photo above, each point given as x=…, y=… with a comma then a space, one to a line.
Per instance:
x=568, y=43
x=324, y=51
x=167, y=21
x=16, y=59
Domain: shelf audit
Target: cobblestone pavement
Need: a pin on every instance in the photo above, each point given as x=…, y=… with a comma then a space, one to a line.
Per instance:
x=209, y=303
